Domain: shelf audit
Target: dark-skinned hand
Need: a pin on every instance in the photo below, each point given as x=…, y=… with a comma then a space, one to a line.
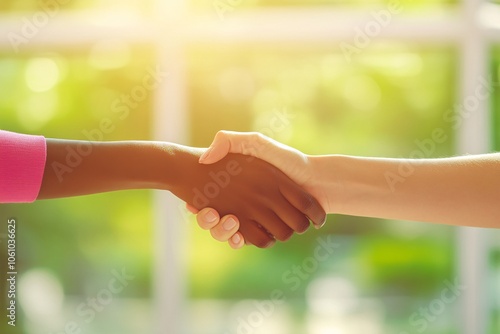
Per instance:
x=269, y=205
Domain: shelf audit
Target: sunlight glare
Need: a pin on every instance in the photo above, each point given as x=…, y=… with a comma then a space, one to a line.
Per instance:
x=107, y=55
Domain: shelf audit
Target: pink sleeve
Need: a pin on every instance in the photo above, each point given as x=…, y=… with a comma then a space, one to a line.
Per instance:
x=22, y=163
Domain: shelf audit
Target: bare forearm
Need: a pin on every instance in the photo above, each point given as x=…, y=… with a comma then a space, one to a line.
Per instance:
x=78, y=168
x=457, y=191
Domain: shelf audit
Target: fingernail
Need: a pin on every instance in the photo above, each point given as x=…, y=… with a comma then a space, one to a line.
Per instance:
x=229, y=224
x=320, y=225
x=205, y=155
x=210, y=217
x=236, y=238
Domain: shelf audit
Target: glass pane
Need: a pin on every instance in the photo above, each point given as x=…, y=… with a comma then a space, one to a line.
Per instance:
x=69, y=250
x=385, y=102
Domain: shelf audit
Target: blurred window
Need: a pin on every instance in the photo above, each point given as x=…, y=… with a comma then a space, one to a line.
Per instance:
x=355, y=77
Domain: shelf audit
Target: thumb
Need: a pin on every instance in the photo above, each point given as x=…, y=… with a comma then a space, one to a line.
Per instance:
x=229, y=142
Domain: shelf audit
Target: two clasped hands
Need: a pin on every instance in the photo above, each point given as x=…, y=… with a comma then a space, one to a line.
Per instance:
x=248, y=188
x=462, y=191
x=297, y=210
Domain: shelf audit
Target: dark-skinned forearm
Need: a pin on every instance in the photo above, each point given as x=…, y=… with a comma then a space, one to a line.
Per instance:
x=76, y=168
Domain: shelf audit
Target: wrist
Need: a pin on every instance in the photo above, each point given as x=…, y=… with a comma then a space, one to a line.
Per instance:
x=318, y=183
x=325, y=181
x=177, y=163
x=148, y=165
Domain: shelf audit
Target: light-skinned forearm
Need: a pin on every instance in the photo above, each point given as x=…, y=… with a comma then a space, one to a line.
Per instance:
x=458, y=191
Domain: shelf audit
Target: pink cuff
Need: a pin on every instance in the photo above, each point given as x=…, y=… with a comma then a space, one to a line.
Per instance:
x=22, y=163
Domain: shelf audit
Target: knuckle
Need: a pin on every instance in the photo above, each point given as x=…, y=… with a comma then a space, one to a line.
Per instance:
x=221, y=133
x=221, y=136
x=251, y=143
x=257, y=137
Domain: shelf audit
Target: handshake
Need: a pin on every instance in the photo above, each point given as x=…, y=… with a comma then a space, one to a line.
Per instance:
x=248, y=188
x=266, y=204
x=259, y=202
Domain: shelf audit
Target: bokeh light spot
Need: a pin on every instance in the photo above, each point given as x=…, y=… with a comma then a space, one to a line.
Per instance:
x=40, y=294
x=42, y=74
